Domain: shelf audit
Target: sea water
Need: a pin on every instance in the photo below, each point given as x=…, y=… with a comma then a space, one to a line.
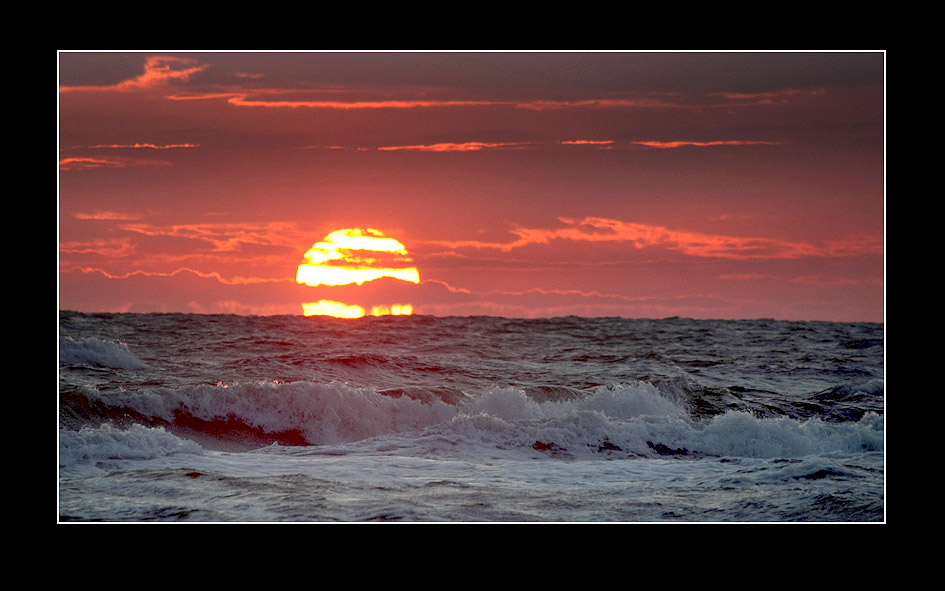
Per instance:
x=225, y=418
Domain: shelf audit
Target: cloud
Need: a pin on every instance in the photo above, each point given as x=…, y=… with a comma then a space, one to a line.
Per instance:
x=457, y=147
x=607, y=103
x=449, y=288
x=151, y=146
x=604, y=144
x=355, y=256
x=683, y=144
x=857, y=245
x=243, y=101
x=237, y=280
x=89, y=163
x=118, y=247
x=158, y=72
x=225, y=237
x=641, y=236
x=277, y=98
x=767, y=98
x=106, y=215
x=479, y=146
x=72, y=163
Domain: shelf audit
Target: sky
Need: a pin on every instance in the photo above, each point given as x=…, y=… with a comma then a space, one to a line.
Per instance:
x=711, y=185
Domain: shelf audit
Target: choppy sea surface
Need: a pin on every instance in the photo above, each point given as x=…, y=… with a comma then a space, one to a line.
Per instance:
x=224, y=418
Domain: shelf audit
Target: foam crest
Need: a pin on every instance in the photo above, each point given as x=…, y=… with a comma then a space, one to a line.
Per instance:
x=90, y=445
x=315, y=413
x=636, y=421
x=620, y=420
x=743, y=435
x=622, y=401
x=97, y=352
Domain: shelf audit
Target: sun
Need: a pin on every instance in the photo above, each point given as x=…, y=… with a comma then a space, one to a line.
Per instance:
x=355, y=256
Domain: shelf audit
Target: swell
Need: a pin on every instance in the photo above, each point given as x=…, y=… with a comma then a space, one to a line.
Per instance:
x=845, y=402
x=258, y=414
x=620, y=422
x=78, y=411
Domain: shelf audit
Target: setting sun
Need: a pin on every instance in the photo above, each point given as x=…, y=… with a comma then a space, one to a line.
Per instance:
x=330, y=308
x=355, y=256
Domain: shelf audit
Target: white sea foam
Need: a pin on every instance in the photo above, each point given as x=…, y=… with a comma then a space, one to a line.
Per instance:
x=637, y=421
x=323, y=413
x=633, y=419
x=83, y=450
x=743, y=435
x=97, y=352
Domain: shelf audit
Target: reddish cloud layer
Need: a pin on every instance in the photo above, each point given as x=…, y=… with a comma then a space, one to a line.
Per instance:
x=151, y=146
x=73, y=163
x=454, y=147
x=695, y=244
x=682, y=144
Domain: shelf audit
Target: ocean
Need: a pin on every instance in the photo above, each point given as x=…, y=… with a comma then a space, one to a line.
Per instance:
x=421, y=419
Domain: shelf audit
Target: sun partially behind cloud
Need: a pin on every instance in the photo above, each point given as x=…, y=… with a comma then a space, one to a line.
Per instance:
x=355, y=256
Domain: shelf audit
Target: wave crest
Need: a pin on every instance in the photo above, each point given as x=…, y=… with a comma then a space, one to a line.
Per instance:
x=97, y=353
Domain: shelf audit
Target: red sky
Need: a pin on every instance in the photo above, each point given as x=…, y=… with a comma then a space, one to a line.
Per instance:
x=702, y=185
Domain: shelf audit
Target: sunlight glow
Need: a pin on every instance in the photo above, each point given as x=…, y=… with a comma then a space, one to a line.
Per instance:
x=355, y=256
x=395, y=310
x=330, y=308
x=338, y=260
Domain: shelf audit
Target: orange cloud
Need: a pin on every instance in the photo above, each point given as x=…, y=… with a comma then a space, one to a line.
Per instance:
x=857, y=245
x=767, y=98
x=111, y=248
x=241, y=100
x=635, y=103
x=462, y=147
x=158, y=71
x=213, y=275
x=477, y=146
x=225, y=237
x=152, y=146
x=690, y=243
x=89, y=163
x=695, y=244
x=575, y=292
x=105, y=215
x=605, y=143
x=448, y=287
x=681, y=144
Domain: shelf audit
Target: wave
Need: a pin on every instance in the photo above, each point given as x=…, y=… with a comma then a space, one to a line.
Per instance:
x=87, y=449
x=298, y=413
x=624, y=421
x=635, y=421
x=97, y=352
